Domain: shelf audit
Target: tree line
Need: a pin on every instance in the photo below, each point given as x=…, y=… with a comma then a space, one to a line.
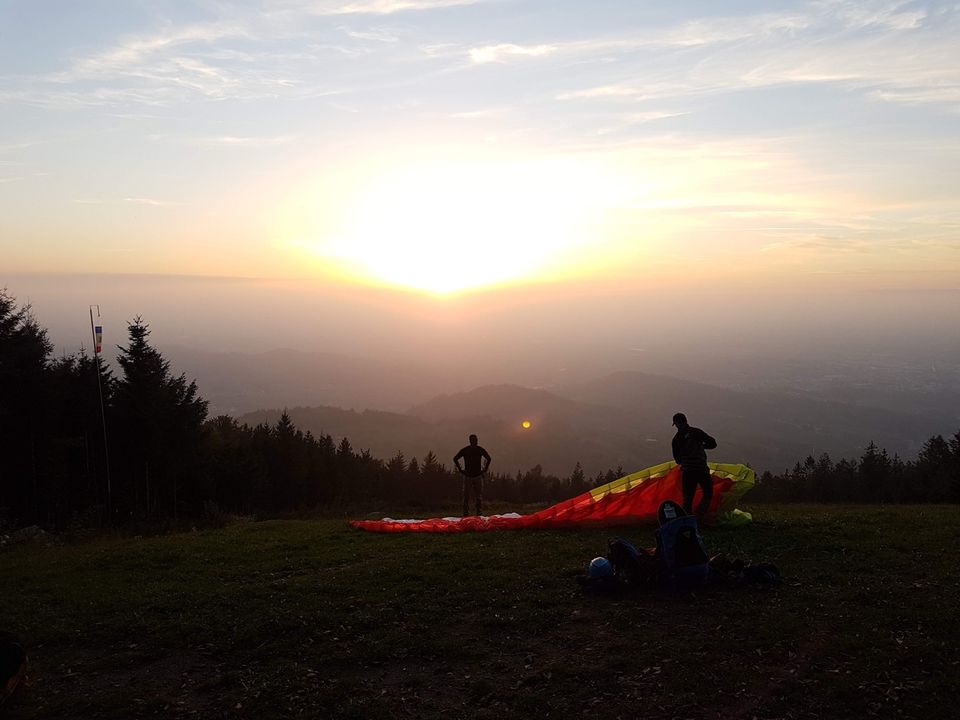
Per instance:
x=876, y=476
x=162, y=458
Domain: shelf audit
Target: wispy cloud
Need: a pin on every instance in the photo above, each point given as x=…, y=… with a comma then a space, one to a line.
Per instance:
x=627, y=121
x=385, y=7
x=899, y=15
x=244, y=58
x=613, y=91
x=14, y=147
x=921, y=96
x=383, y=35
x=482, y=113
x=888, y=53
x=240, y=141
x=154, y=202
x=499, y=53
x=820, y=244
x=156, y=57
x=149, y=201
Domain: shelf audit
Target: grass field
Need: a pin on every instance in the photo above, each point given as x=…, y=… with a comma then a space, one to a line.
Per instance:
x=310, y=618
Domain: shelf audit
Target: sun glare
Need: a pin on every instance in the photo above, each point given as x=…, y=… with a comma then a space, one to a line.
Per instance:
x=452, y=226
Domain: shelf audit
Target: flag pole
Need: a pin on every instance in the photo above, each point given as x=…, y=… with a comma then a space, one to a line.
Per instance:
x=97, y=333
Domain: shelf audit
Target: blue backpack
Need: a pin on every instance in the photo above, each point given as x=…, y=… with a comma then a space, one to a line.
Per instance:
x=684, y=559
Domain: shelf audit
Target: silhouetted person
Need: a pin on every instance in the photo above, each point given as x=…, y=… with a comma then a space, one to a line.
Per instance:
x=472, y=471
x=689, y=446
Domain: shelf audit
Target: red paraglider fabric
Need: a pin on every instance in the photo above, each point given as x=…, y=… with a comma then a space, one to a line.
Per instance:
x=631, y=499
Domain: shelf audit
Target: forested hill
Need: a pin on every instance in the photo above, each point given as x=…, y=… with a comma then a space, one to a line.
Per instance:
x=620, y=420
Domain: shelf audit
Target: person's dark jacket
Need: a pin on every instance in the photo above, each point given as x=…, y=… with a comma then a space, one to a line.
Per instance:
x=689, y=445
x=472, y=455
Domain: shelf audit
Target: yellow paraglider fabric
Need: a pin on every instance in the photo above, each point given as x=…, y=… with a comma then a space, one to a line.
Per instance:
x=631, y=499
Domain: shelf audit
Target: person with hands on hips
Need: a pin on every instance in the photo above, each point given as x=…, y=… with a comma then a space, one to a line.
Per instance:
x=476, y=460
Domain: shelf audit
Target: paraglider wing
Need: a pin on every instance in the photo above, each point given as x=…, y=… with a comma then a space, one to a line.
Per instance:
x=631, y=499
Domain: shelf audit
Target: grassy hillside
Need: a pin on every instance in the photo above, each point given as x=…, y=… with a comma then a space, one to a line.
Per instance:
x=283, y=619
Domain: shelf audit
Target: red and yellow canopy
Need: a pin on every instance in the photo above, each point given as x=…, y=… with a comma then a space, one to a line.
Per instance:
x=631, y=499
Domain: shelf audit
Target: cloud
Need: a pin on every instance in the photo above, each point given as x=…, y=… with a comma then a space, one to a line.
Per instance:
x=134, y=200
x=499, y=53
x=382, y=35
x=601, y=91
x=876, y=48
x=129, y=56
x=819, y=243
x=148, y=201
x=920, y=96
x=237, y=141
x=892, y=50
x=479, y=114
x=15, y=147
x=627, y=121
x=386, y=7
x=247, y=57
x=890, y=15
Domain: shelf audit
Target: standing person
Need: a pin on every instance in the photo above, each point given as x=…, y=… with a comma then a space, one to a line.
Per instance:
x=689, y=446
x=472, y=471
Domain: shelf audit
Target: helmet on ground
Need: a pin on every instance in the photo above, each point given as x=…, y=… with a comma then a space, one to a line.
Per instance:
x=600, y=567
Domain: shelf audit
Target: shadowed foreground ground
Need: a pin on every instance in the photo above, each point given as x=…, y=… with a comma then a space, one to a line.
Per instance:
x=310, y=618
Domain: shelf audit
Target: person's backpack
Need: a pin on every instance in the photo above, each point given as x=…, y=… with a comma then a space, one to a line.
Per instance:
x=680, y=549
x=624, y=557
x=635, y=566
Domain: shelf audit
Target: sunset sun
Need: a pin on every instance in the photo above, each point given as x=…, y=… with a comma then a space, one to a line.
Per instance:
x=444, y=227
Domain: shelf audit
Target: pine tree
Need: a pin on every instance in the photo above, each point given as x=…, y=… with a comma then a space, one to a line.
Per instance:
x=578, y=481
x=395, y=476
x=955, y=468
x=24, y=349
x=935, y=465
x=160, y=419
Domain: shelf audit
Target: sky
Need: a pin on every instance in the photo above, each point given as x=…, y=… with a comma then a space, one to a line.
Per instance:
x=450, y=145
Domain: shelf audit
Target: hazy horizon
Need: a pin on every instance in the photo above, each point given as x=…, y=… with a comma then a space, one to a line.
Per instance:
x=533, y=335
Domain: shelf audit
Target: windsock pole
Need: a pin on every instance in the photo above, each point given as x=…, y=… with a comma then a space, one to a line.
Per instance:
x=97, y=332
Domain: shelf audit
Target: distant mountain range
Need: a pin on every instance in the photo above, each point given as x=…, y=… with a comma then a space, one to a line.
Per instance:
x=622, y=419
x=235, y=382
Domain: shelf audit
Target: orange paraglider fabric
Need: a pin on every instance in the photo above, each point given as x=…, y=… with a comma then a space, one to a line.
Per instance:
x=631, y=499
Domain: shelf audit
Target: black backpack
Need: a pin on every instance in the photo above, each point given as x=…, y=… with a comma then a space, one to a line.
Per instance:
x=635, y=566
x=680, y=549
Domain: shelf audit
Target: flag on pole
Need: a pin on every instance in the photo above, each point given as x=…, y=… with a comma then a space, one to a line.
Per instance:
x=98, y=339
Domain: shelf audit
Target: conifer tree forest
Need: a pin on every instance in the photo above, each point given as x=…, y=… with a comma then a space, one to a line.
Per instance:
x=164, y=459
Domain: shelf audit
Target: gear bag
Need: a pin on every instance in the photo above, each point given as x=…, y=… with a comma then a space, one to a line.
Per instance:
x=680, y=549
